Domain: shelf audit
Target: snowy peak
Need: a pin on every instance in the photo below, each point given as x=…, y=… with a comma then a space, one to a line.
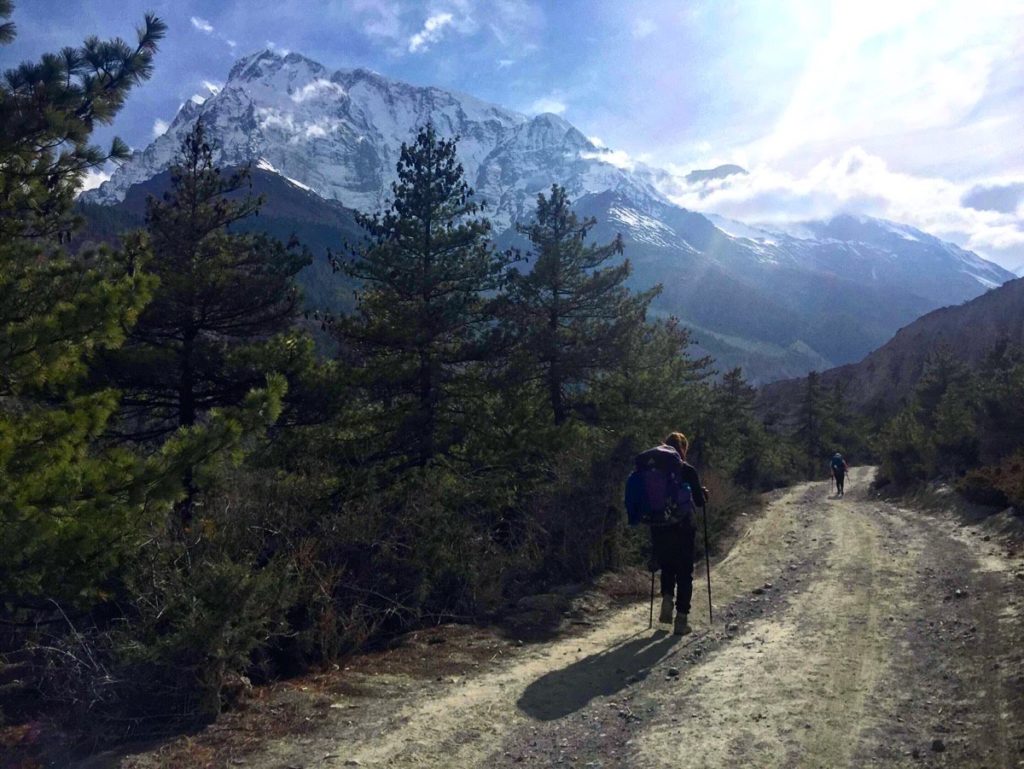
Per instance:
x=263, y=66
x=884, y=247
x=339, y=134
x=768, y=292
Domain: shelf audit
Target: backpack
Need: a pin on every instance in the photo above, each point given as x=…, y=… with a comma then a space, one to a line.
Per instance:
x=838, y=465
x=654, y=494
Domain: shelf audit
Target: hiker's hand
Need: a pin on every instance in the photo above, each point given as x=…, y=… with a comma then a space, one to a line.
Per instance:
x=707, y=494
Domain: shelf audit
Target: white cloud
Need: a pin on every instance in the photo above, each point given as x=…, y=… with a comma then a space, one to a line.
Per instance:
x=270, y=117
x=858, y=182
x=547, y=104
x=315, y=88
x=202, y=25
x=212, y=87
x=160, y=127
x=93, y=178
x=596, y=141
x=505, y=63
x=617, y=158
x=433, y=30
x=886, y=69
x=319, y=129
x=380, y=20
x=278, y=49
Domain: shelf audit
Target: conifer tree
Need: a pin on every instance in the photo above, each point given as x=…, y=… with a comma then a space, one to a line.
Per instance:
x=812, y=430
x=66, y=504
x=657, y=382
x=839, y=429
x=221, y=318
x=221, y=297
x=572, y=312
x=733, y=414
x=423, y=317
x=943, y=371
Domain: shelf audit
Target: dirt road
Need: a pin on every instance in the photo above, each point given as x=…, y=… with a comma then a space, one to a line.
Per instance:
x=848, y=633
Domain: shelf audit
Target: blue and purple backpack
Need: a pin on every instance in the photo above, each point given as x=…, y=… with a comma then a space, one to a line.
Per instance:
x=655, y=495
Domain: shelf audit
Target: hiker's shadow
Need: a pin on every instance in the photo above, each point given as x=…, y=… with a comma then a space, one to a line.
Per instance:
x=561, y=692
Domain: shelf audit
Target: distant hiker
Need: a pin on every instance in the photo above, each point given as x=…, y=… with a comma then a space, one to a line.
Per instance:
x=839, y=470
x=663, y=492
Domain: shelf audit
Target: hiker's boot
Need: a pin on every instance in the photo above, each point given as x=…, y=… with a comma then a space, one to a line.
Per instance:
x=682, y=627
x=666, y=609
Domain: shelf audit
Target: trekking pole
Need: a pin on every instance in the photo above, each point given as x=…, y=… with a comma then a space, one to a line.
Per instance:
x=707, y=563
x=650, y=623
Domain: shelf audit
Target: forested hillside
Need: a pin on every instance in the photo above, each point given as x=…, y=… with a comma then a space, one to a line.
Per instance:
x=945, y=398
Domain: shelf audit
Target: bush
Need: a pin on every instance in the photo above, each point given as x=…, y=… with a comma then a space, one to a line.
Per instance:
x=997, y=485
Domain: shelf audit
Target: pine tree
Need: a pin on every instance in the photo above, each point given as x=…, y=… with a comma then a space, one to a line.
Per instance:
x=733, y=414
x=943, y=371
x=657, y=384
x=842, y=429
x=812, y=430
x=1001, y=419
x=66, y=505
x=221, y=318
x=423, y=316
x=572, y=313
x=221, y=297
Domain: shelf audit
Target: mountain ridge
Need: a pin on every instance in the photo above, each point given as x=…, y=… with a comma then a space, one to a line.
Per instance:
x=885, y=378
x=761, y=298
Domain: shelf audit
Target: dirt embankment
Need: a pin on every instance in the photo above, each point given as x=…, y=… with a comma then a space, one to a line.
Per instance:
x=848, y=633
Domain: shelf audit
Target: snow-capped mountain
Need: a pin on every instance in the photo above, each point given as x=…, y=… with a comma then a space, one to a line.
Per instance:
x=867, y=249
x=779, y=301
x=784, y=302
x=339, y=134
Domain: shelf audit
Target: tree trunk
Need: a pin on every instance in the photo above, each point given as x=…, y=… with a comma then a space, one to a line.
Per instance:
x=187, y=418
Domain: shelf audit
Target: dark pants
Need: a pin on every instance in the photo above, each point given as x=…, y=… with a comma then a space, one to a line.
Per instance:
x=673, y=552
x=840, y=479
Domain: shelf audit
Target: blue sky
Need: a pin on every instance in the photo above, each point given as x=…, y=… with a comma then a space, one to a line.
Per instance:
x=911, y=109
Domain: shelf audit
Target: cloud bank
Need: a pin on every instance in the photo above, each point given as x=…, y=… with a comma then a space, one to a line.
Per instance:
x=985, y=218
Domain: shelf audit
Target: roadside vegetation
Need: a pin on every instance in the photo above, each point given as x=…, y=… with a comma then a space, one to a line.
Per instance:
x=963, y=425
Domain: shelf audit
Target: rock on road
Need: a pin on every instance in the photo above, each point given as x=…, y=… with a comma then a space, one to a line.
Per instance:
x=848, y=633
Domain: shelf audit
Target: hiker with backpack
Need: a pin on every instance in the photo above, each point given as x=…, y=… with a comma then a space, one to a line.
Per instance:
x=663, y=492
x=839, y=470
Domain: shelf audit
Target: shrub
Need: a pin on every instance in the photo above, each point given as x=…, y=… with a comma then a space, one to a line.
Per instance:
x=998, y=485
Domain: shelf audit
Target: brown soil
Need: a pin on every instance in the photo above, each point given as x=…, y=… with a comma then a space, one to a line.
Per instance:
x=848, y=633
